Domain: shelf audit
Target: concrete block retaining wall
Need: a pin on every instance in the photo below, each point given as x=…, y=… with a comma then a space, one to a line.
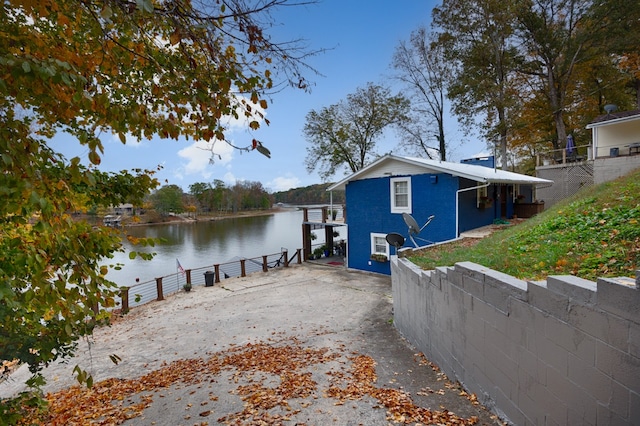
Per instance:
x=565, y=351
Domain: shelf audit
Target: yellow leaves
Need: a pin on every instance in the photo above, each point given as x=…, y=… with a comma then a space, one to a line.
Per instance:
x=62, y=185
x=175, y=37
x=94, y=158
x=48, y=315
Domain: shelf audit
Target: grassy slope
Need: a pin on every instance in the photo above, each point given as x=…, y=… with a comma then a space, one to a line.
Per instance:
x=594, y=234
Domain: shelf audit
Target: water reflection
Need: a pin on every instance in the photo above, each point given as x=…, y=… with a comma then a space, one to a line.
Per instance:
x=204, y=243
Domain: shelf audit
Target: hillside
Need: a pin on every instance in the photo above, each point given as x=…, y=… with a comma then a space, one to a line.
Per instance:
x=313, y=194
x=594, y=234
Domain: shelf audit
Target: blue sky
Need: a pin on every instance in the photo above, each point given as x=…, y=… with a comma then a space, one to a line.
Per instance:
x=362, y=37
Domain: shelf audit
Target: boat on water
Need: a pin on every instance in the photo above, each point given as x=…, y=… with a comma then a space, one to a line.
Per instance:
x=112, y=221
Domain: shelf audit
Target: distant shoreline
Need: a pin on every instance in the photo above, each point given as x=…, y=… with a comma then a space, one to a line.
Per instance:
x=210, y=218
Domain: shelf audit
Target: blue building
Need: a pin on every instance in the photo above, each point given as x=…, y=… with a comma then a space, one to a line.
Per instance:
x=460, y=196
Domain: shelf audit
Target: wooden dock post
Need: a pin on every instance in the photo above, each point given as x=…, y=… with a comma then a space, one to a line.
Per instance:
x=124, y=296
x=159, y=288
x=216, y=269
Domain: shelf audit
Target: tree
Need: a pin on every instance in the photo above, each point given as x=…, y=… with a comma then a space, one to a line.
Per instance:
x=422, y=68
x=202, y=192
x=144, y=68
x=168, y=199
x=345, y=134
x=477, y=37
x=558, y=36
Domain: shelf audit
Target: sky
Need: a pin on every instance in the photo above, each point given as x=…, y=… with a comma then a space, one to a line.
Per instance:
x=361, y=37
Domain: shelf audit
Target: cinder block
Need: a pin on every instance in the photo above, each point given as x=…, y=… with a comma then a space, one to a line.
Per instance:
x=575, y=398
x=528, y=363
x=573, y=287
x=634, y=340
x=503, y=371
x=529, y=408
x=609, y=418
x=522, y=312
x=482, y=385
x=589, y=378
x=578, y=417
x=575, y=341
x=473, y=286
x=428, y=280
x=454, y=277
x=619, y=365
x=515, y=287
x=455, y=297
x=621, y=297
x=547, y=301
x=471, y=269
x=634, y=407
x=516, y=334
x=551, y=354
x=556, y=410
x=601, y=325
x=619, y=400
x=497, y=296
x=507, y=409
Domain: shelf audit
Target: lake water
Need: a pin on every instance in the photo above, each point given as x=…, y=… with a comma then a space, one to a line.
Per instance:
x=204, y=243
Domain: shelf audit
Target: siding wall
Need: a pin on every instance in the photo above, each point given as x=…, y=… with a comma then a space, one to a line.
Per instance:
x=565, y=351
x=369, y=210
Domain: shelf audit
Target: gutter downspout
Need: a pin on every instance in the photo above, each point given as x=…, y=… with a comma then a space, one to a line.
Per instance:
x=331, y=203
x=458, y=204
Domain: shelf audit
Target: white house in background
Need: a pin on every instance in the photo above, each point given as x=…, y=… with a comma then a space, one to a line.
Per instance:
x=614, y=151
x=616, y=133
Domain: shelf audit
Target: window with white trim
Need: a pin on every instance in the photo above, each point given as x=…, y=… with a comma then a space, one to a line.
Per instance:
x=401, y=195
x=482, y=193
x=379, y=244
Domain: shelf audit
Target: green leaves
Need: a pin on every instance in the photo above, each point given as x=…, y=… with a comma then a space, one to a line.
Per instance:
x=345, y=134
x=90, y=69
x=145, y=5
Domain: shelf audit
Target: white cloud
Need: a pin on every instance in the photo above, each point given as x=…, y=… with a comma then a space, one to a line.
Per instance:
x=284, y=183
x=229, y=178
x=201, y=156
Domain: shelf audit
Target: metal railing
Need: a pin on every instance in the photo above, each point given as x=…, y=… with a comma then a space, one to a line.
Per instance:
x=209, y=275
x=560, y=156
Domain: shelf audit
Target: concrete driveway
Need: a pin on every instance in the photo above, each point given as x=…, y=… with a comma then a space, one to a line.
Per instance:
x=305, y=345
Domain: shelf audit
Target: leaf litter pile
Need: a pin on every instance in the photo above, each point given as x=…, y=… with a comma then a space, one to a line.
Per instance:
x=274, y=381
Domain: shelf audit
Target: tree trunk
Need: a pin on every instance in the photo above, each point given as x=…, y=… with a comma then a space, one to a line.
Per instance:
x=441, y=140
x=555, y=102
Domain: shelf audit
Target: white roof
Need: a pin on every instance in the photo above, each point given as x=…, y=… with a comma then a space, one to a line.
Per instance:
x=468, y=171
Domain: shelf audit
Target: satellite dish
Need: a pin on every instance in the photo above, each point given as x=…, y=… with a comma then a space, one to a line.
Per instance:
x=395, y=240
x=609, y=108
x=414, y=228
